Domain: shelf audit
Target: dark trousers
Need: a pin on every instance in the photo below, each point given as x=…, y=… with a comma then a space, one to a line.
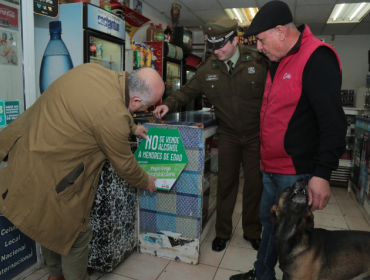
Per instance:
x=74, y=265
x=232, y=151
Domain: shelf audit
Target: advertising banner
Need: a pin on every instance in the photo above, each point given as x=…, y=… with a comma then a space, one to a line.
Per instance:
x=17, y=251
x=8, y=17
x=106, y=22
x=162, y=156
x=134, y=21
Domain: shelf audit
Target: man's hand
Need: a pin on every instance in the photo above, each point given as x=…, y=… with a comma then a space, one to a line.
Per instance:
x=318, y=193
x=141, y=132
x=151, y=185
x=160, y=111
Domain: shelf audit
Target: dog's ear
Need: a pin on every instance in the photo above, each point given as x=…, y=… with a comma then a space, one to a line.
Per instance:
x=275, y=213
x=308, y=221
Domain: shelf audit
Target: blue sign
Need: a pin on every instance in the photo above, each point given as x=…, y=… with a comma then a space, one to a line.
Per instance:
x=106, y=22
x=17, y=251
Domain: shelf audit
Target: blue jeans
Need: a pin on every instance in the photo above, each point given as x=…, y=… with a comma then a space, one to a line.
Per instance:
x=273, y=186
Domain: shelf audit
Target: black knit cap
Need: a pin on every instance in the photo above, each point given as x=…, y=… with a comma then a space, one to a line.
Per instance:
x=271, y=14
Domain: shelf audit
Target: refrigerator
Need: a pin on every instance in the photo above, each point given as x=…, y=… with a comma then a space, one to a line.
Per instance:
x=168, y=62
x=191, y=63
x=89, y=34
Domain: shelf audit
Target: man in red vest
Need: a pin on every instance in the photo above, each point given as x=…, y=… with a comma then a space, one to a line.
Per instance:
x=303, y=125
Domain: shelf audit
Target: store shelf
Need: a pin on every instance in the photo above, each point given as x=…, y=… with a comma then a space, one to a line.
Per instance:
x=346, y=163
x=172, y=77
x=96, y=59
x=352, y=111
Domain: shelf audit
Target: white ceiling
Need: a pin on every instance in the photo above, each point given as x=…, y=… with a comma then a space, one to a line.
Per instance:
x=314, y=13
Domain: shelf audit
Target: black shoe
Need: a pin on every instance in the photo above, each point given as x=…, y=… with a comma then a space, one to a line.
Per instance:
x=219, y=244
x=250, y=275
x=255, y=242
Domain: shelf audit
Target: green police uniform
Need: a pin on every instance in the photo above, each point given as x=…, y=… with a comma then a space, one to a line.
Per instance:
x=237, y=100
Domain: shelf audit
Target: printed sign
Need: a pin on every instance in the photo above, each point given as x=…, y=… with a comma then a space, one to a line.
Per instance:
x=163, y=156
x=134, y=20
x=8, y=17
x=8, y=48
x=49, y=8
x=106, y=22
x=9, y=111
x=17, y=251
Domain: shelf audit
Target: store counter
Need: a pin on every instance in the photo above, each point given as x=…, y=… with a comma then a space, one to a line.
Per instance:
x=169, y=224
x=203, y=119
x=173, y=224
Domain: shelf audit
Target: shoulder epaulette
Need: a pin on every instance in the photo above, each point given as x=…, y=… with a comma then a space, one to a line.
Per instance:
x=201, y=63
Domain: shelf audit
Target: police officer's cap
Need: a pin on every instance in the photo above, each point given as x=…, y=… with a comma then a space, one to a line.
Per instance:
x=271, y=14
x=220, y=32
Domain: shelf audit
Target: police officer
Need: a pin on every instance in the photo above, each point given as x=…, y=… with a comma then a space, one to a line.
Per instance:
x=233, y=80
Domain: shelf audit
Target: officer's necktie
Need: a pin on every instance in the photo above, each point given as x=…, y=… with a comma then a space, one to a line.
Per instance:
x=230, y=63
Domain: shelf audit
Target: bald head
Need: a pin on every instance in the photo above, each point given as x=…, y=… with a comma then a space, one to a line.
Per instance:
x=146, y=87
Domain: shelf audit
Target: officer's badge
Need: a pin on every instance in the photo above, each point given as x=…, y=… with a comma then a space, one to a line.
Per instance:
x=214, y=65
x=247, y=57
x=251, y=70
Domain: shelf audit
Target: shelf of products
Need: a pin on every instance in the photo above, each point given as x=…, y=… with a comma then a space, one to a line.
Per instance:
x=341, y=176
x=348, y=98
x=359, y=181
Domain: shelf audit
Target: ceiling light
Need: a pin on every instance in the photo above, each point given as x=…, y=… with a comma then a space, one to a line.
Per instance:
x=339, y=10
x=253, y=14
x=357, y=10
x=237, y=14
x=349, y=13
x=243, y=15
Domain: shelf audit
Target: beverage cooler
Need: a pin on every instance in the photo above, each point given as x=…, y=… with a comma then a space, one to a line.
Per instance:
x=191, y=63
x=80, y=34
x=168, y=62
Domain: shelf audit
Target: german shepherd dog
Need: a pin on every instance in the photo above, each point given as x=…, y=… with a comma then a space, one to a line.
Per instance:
x=306, y=253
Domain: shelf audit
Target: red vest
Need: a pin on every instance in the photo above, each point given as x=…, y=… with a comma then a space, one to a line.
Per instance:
x=280, y=100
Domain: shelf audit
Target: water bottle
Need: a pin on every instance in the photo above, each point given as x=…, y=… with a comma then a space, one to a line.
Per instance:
x=56, y=60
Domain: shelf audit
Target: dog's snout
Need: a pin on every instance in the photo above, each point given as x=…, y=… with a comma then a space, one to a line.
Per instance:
x=300, y=184
x=302, y=191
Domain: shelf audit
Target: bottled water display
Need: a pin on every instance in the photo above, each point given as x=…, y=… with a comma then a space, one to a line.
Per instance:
x=56, y=60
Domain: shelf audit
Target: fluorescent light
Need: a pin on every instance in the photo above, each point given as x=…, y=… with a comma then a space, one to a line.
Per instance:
x=238, y=16
x=252, y=12
x=357, y=10
x=340, y=9
x=244, y=16
x=349, y=12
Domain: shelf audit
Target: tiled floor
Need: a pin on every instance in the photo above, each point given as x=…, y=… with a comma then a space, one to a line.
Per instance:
x=342, y=212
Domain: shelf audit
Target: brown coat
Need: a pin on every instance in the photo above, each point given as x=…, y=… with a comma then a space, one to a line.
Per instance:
x=56, y=150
